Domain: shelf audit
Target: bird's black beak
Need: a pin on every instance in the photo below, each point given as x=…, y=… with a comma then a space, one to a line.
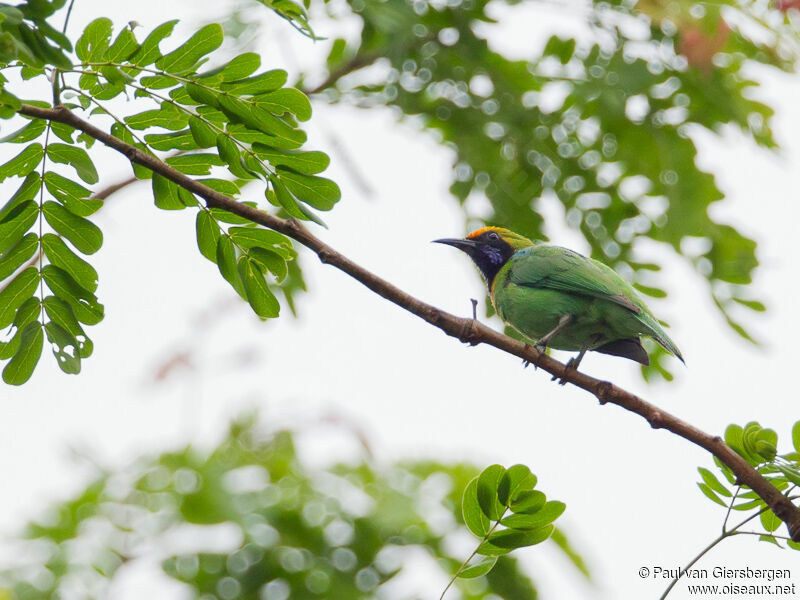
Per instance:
x=464, y=245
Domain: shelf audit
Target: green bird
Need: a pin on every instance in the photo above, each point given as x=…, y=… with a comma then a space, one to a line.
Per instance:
x=562, y=299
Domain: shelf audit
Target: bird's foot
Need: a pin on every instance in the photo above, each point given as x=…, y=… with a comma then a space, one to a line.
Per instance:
x=526, y=363
x=572, y=365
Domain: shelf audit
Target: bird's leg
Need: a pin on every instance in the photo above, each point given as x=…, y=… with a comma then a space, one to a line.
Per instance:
x=572, y=365
x=470, y=329
x=563, y=321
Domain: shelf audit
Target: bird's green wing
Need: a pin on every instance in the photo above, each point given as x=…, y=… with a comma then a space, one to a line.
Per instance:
x=556, y=268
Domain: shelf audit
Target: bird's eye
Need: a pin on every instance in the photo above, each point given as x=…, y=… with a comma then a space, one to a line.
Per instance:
x=494, y=237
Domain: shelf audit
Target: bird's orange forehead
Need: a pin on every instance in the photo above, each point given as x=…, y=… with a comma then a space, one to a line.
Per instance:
x=479, y=232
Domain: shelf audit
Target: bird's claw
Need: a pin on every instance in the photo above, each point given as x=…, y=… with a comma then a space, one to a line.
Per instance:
x=526, y=363
x=572, y=365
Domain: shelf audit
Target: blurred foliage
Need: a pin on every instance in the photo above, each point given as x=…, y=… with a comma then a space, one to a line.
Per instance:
x=602, y=121
x=26, y=35
x=348, y=531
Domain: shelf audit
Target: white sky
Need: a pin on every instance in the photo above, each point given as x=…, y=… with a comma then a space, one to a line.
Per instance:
x=630, y=491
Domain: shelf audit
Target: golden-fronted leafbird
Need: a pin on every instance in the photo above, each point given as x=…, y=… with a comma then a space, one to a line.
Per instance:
x=561, y=299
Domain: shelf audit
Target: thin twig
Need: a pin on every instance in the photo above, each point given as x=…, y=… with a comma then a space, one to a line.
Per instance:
x=464, y=329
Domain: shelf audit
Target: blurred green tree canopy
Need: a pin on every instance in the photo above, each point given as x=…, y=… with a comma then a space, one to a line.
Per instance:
x=287, y=530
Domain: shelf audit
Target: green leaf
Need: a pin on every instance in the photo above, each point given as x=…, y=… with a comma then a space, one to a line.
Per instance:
x=229, y=152
x=280, y=196
x=247, y=237
x=76, y=157
x=24, y=162
x=71, y=194
x=93, y=43
x=27, y=191
x=790, y=472
x=709, y=493
x=260, y=84
x=62, y=314
x=167, y=116
x=65, y=348
x=195, y=164
x=256, y=289
x=474, y=518
x=19, y=289
x=220, y=214
x=201, y=94
x=84, y=304
x=510, y=539
x=223, y=186
x=519, y=539
x=276, y=132
x=226, y=261
x=20, y=368
x=286, y=100
x=517, y=478
x=82, y=233
x=770, y=521
x=481, y=568
x=488, y=482
x=148, y=52
x=239, y=67
x=186, y=56
x=204, y=135
x=166, y=194
x=17, y=223
x=177, y=140
x=21, y=252
x=751, y=304
x=207, y=235
x=796, y=436
x=714, y=483
x=746, y=505
x=28, y=312
x=528, y=502
x=315, y=191
x=29, y=132
x=270, y=260
x=123, y=47
x=544, y=516
x=309, y=163
x=60, y=255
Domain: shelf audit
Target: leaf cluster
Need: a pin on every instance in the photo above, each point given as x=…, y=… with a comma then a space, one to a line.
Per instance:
x=501, y=507
x=27, y=37
x=758, y=446
x=225, y=126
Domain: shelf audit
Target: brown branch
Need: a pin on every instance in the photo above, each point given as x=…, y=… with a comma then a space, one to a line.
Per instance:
x=464, y=329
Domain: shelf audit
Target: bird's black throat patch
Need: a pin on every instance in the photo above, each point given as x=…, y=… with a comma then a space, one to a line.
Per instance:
x=490, y=255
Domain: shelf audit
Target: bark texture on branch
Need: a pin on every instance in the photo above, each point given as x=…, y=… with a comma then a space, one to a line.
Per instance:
x=464, y=329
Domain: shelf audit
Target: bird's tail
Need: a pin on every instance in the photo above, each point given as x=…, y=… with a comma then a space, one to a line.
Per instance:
x=658, y=334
